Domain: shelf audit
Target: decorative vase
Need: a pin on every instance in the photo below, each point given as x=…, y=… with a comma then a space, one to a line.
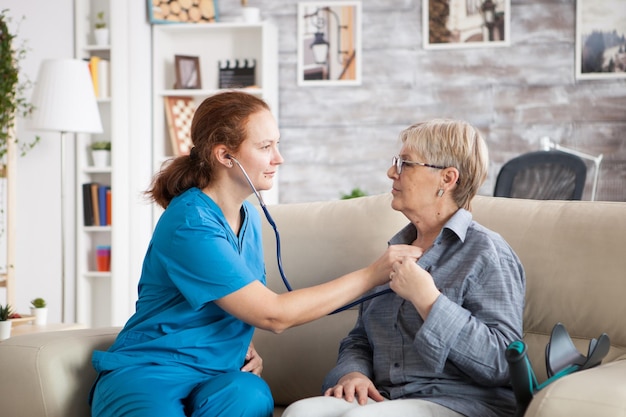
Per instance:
x=41, y=315
x=5, y=329
x=101, y=36
x=251, y=14
x=101, y=158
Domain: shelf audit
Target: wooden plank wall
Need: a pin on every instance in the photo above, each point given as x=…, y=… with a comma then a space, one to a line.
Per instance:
x=338, y=138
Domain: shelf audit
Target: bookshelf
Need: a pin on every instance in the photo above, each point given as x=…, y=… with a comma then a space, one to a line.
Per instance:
x=211, y=43
x=106, y=298
x=89, y=236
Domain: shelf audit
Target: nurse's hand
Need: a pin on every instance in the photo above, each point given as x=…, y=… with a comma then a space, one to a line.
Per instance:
x=253, y=362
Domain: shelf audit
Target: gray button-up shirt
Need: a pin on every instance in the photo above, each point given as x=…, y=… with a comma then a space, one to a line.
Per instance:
x=456, y=357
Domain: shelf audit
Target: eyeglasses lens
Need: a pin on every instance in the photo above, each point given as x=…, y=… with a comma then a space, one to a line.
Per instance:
x=398, y=164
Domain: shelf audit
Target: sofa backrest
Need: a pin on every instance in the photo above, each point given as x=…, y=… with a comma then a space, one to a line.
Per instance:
x=320, y=241
x=572, y=253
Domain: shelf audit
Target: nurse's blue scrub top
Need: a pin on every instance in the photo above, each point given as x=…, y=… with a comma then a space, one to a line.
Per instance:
x=193, y=259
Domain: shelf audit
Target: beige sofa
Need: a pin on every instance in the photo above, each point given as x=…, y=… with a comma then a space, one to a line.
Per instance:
x=575, y=258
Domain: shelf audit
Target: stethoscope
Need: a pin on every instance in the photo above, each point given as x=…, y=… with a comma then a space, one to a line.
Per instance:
x=272, y=223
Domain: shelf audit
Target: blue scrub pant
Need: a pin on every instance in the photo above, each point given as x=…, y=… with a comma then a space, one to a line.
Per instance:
x=173, y=391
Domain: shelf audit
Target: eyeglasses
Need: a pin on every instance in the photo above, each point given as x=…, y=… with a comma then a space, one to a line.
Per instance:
x=399, y=163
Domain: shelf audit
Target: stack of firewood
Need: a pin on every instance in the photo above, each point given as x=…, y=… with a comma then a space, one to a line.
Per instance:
x=192, y=11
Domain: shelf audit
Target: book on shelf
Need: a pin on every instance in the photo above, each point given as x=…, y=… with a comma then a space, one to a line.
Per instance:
x=108, y=206
x=87, y=208
x=96, y=204
x=100, y=76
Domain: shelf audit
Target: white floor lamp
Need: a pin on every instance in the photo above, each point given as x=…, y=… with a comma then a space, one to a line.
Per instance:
x=64, y=101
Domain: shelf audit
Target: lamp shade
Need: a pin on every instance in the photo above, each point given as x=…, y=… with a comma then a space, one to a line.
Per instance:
x=64, y=98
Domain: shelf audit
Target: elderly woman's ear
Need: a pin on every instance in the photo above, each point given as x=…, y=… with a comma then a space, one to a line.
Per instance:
x=450, y=176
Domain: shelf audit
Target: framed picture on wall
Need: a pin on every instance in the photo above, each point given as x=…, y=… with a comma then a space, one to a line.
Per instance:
x=600, y=39
x=466, y=23
x=187, y=72
x=329, y=43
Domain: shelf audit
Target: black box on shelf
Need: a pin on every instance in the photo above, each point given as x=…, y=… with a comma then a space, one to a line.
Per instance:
x=237, y=73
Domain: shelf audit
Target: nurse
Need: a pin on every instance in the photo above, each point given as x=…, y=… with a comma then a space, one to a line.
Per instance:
x=187, y=349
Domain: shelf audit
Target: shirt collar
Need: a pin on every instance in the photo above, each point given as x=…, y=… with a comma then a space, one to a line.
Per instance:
x=458, y=224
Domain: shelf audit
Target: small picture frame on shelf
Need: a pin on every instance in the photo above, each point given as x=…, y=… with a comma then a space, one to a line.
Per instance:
x=187, y=72
x=176, y=11
x=179, y=112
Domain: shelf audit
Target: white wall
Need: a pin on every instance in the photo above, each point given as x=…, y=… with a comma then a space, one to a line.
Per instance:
x=48, y=28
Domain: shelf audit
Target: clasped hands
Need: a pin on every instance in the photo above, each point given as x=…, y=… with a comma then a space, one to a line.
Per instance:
x=412, y=282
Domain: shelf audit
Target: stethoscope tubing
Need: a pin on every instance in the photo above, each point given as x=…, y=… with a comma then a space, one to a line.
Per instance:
x=279, y=260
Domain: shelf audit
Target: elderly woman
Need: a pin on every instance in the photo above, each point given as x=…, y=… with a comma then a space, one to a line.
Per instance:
x=436, y=343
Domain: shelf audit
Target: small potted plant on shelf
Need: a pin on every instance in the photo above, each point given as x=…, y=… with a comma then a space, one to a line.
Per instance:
x=101, y=31
x=5, y=323
x=39, y=309
x=101, y=153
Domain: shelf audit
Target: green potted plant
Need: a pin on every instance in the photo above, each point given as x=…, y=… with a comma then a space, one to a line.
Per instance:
x=101, y=31
x=101, y=153
x=12, y=100
x=355, y=193
x=38, y=303
x=5, y=323
x=39, y=309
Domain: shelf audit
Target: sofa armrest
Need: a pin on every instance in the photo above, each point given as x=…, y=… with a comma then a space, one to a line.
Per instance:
x=599, y=391
x=50, y=374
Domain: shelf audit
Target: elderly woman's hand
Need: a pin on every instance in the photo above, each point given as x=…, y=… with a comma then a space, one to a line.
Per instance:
x=253, y=362
x=413, y=283
x=355, y=385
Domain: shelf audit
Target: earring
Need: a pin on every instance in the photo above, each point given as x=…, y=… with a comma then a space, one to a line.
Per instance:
x=440, y=192
x=230, y=164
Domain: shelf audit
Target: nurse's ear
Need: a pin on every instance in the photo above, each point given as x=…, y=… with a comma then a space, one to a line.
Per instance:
x=223, y=156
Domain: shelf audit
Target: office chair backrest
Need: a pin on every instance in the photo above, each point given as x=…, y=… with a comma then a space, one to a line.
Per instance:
x=542, y=175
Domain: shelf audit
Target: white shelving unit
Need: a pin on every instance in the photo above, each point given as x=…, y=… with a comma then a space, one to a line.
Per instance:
x=212, y=43
x=107, y=298
x=134, y=121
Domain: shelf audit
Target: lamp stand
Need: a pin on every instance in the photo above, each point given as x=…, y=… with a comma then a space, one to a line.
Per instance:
x=63, y=278
x=547, y=144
